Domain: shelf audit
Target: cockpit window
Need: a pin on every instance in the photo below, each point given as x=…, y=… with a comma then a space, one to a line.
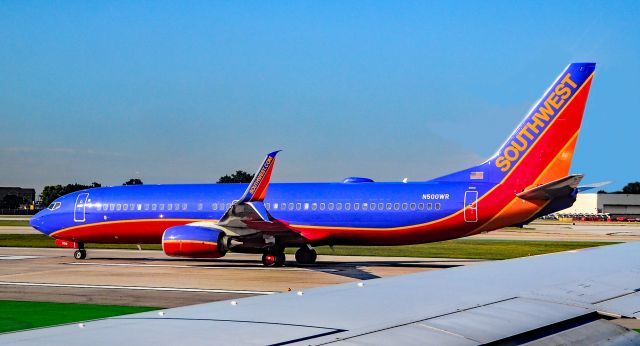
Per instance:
x=54, y=205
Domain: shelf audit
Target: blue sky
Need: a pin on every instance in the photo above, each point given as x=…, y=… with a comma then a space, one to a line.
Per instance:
x=184, y=92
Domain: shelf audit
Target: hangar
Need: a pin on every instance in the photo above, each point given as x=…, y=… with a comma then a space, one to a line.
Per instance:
x=614, y=204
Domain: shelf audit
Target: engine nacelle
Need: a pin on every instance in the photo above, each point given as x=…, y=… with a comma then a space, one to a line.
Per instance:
x=194, y=242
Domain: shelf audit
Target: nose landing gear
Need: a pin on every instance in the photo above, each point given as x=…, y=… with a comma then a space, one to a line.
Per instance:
x=81, y=253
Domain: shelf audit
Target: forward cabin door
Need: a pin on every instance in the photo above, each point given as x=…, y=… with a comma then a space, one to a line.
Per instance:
x=471, y=206
x=80, y=208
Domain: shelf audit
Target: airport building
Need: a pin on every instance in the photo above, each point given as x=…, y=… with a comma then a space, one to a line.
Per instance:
x=28, y=196
x=614, y=204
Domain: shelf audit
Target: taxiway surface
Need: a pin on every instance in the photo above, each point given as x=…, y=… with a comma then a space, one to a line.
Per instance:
x=149, y=278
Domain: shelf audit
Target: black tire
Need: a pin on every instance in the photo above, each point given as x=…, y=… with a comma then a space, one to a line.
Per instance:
x=80, y=254
x=304, y=255
x=280, y=259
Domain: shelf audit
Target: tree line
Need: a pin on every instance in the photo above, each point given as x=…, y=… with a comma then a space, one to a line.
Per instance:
x=631, y=189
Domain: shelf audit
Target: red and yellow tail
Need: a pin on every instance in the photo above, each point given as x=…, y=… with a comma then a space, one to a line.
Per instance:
x=542, y=145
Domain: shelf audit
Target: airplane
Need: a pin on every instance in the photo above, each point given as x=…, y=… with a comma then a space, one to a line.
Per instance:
x=526, y=178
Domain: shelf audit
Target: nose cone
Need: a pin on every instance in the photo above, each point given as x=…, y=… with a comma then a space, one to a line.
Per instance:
x=37, y=221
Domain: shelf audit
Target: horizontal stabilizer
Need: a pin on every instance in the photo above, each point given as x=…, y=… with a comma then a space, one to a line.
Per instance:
x=561, y=187
x=582, y=188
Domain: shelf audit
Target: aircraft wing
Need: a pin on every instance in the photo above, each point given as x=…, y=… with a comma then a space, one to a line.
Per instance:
x=564, y=298
x=249, y=212
x=561, y=187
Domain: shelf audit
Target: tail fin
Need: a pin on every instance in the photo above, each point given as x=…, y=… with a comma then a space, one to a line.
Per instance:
x=540, y=149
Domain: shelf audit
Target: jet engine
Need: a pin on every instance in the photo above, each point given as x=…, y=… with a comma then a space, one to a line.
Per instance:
x=194, y=242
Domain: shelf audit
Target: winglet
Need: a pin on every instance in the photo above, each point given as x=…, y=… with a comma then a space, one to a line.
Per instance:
x=258, y=187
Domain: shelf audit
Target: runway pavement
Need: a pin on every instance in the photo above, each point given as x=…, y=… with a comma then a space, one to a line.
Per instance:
x=149, y=278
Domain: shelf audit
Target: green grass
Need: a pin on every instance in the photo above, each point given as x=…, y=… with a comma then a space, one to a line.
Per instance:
x=19, y=315
x=41, y=240
x=459, y=248
x=14, y=223
x=462, y=248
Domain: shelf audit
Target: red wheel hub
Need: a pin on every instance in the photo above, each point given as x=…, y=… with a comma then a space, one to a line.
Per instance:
x=270, y=259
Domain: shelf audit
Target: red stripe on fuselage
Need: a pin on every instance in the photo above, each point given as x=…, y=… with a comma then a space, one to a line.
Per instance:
x=148, y=231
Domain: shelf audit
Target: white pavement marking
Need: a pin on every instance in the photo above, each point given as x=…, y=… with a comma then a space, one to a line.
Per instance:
x=10, y=257
x=197, y=266
x=140, y=288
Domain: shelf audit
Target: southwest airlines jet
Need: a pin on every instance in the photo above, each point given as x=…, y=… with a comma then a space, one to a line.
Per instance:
x=526, y=178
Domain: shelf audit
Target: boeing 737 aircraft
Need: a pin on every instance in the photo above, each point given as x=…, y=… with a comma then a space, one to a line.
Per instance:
x=527, y=177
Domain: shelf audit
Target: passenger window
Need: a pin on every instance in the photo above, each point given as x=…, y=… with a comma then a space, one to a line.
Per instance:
x=330, y=206
x=412, y=206
x=118, y=207
x=176, y=206
x=388, y=206
x=314, y=206
x=396, y=206
x=112, y=206
x=373, y=206
x=306, y=206
x=228, y=205
x=356, y=206
x=98, y=207
x=339, y=206
x=161, y=206
x=405, y=206
x=321, y=206
x=437, y=206
x=125, y=207
x=365, y=206
x=298, y=206
x=421, y=206
x=221, y=206
x=132, y=206
x=184, y=206
x=146, y=206
x=154, y=206
x=429, y=205
x=290, y=206
x=267, y=206
x=381, y=206
x=169, y=206
x=199, y=206
x=214, y=206
x=347, y=206
x=275, y=206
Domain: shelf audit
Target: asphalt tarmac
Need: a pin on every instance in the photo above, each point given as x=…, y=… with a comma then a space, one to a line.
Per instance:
x=149, y=278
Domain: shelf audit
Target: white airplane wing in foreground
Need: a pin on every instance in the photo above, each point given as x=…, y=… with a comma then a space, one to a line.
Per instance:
x=565, y=298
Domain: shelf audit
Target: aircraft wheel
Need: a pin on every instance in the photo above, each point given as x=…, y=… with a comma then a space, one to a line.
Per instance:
x=80, y=254
x=271, y=259
x=305, y=255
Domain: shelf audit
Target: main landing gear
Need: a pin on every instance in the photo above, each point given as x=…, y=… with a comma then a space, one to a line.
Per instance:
x=274, y=257
x=306, y=255
x=81, y=253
